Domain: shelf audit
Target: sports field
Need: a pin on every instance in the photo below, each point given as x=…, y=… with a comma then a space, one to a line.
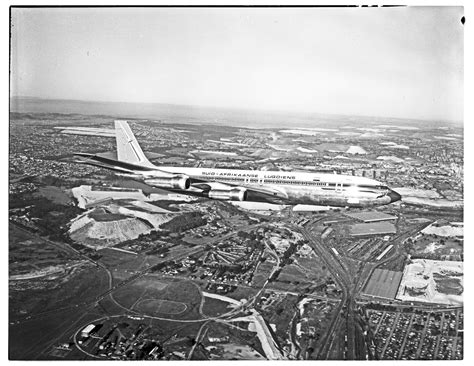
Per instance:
x=157, y=306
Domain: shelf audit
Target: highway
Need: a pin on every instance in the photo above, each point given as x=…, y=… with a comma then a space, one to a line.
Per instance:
x=111, y=287
x=350, y=276
x=340, y=276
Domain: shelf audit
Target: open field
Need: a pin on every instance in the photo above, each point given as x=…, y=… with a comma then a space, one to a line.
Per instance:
x=214, y=307
x=29, y=253
x=428, y=247
x=33, y=339
x=290, y=273
x=39, y=318
x=151, y=283
x=74, y=291
x=144, y=296
x=280, y=313
x=157, y=307
x=432, y=281
x=54, y=194
x=233, y=351
x=312, y=286
x=261, y=274
x=442, y=240
x=228, y=343
x=313, y=268
x=314, y=319
x=123, y=264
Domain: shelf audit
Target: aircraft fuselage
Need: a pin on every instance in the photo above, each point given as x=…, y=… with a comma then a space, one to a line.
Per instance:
x=301, y=187
x=242, y=185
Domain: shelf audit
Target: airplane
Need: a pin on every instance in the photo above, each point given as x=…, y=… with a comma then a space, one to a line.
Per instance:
x=292, y=188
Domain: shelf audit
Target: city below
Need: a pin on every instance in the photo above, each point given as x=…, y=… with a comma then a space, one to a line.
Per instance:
x=103, y=267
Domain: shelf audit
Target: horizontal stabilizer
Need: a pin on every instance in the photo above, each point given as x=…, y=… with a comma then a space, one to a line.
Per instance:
x=150, y=171
x=104, y=162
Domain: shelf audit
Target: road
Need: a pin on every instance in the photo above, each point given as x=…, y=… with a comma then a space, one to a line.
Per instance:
x=111, y=287
x=350, y=277
x=340, y=276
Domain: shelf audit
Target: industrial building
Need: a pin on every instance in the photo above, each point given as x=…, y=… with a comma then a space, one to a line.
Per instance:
x=370, y=216
x=376, y=228
x=383, y=283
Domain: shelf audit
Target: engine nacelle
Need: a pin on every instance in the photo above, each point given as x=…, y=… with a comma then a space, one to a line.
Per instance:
x=234, y=194
x=175, y=182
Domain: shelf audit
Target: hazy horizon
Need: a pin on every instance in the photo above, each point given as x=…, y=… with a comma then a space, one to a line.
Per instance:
x=403, y=62
x=203, y=114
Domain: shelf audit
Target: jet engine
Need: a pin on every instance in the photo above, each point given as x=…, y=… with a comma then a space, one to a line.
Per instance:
x=175, y=182
x=234, y=194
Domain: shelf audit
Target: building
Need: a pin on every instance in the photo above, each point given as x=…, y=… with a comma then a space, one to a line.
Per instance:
x=376, y=228
x=86, y=332
x=370, y=216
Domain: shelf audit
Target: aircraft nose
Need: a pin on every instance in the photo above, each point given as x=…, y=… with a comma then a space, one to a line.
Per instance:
x=394, y=196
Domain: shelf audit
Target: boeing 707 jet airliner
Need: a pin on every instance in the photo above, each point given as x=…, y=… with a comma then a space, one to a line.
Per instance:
x=242, y=185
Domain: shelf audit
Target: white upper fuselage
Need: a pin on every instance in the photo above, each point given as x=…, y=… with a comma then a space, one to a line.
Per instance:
x=251, y=185
x=298, y=187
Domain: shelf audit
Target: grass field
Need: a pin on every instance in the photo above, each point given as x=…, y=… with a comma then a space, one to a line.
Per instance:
x=159, y=298
x=83, y=286
x=214, y=307
x=151, y=283
x=280, y=313
x=54, y=194
x=242, y=293
x=121, y=262
x=16, y=236
x=29, y=253
x=157, y=307
x=32, y=338
x=291, y=273
x=448, y=285
x=314, y=267
x=261, y=274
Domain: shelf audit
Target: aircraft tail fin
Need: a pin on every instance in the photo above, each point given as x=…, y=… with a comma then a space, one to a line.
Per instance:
x=128, y=149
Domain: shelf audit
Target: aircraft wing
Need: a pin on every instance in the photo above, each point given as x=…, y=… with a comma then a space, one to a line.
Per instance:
x=199, y=186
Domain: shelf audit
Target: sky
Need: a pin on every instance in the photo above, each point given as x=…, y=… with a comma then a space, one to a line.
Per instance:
x=389, y=62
